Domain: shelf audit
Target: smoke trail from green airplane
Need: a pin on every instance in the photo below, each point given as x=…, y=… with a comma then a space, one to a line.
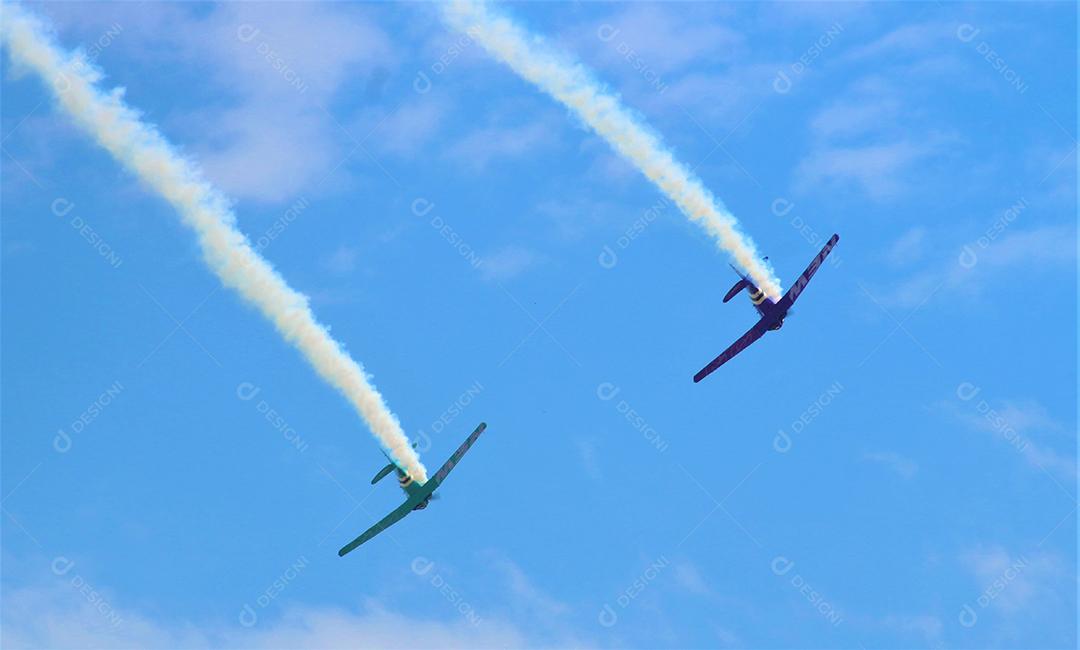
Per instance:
x=139, y=147
x=571, y=84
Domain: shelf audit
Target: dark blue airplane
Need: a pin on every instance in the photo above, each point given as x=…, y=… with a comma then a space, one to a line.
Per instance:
x=772, y=313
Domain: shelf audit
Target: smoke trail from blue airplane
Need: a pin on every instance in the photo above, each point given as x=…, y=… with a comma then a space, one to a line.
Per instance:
x=139, y=147
x=572, y=85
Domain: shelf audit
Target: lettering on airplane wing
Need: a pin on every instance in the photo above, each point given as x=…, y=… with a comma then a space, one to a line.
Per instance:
x=804, y=279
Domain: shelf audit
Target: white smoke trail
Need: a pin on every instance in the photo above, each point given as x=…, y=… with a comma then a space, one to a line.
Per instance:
x=571, y=84
x=144, y=151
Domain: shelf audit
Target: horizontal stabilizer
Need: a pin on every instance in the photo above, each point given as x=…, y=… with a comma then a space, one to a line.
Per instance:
x=739, y=286
x=382, y=473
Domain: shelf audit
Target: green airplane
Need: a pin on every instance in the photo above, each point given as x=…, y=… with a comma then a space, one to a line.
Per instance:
x=417, y=495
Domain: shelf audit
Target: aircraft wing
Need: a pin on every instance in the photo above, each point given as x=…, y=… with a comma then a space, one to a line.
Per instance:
x=738, y=346
x=389, y=520
x=793, y=293
x=440, y=475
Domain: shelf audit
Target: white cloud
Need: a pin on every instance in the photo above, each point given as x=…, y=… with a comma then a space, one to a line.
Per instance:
x=903, y=467
x=1016, y=582
x=58, y=616
x=689, y=578
x=667, y=59
x=879, y=135
x=970, y=268
x=718, y=101
x=879, y=170
x=908, y=248
x=855, y=116
x=280, y=140
x=275, y=68
x=480, y=147
x=925, y=626
x=914, y=40
x=342, y=260
x=587, y=453
x=508, y=262
x=1018, y=423
x=410, y=127
x=527, y=595
x=661, y=39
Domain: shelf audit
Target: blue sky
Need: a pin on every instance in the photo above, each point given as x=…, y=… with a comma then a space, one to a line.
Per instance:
x=896, y=468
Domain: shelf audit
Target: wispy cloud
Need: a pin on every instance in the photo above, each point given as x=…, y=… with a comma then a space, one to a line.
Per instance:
x=274, y=70
x=854, y=116
x=509, y=262
x=342, y=260
x=666, y=40
x=408, y=129
x=689, y=578
x=587, y=453
x=908, y=248
x=913, y=40
x=1030, y=426
x=523, y=587
x=894, y=462
x=966, y=270
x=878, y=170
x=1017, y=581
x=60, y=617
x=480, y=147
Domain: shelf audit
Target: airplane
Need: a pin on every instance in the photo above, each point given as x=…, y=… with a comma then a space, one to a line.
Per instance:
x=772, y=313
x=417, y=495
